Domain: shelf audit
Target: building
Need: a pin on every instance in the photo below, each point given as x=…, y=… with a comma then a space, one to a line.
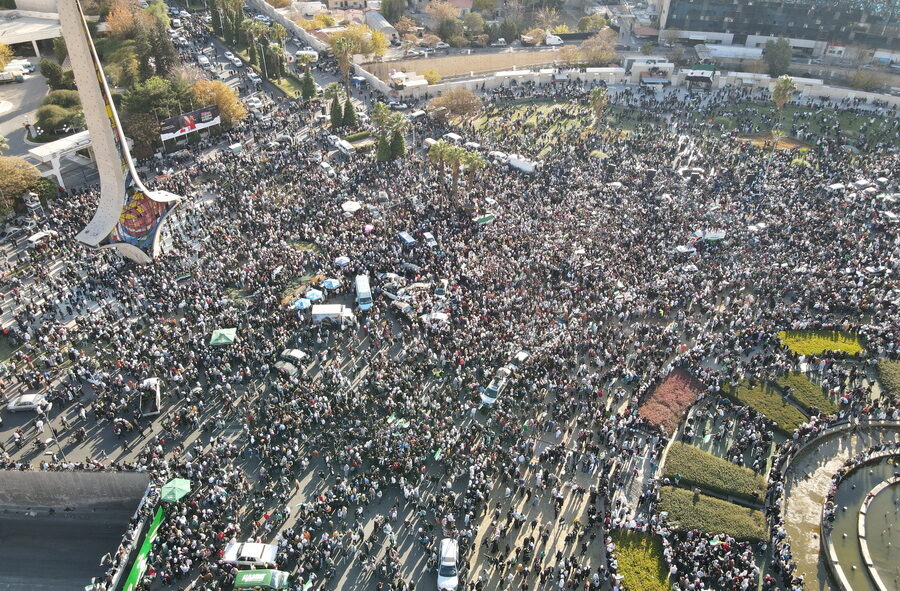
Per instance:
x=811, y=26
x=376, y=21
x=26, y=26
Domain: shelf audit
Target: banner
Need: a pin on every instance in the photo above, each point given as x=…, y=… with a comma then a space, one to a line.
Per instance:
x=174, y=127
x=140, y=561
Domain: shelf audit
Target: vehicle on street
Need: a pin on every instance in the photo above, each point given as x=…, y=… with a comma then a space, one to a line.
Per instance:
x=261, y=579
x=429, y=239
x=397, y=106
x=254, y=77
x=440, y=292
x=363, y=293
x=501, y=42
x=448, y=571
x=442, y=45
x=496, y=386
x=250, y=554
x=29, y=402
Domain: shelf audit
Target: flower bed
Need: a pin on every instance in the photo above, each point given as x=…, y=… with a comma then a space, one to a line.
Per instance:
x=640, y=560
x=769, y=402
x=698, y=468
x=806, y=393
x=889, y=375
x=815, y=342
x=689, y=511
x=671, y=398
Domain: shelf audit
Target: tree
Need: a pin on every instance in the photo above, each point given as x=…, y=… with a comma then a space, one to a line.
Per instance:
x=4, y=143
x=337, y=114
x=534, y=36
x=52, y=72
x=349, y=119
x=405, y=25
x=143, y=129
x=441, y=11
x=343, y=48
x=158, y=96
x=778, y=57
x=165, y=57
x=60, y=51
x=121, y=19
x=484, y=6
x=473, y=162
x=6, y=55
x=308, y=87
x=647, y=48
x=303, y=60
x=439, y=154
x=546, y=17
x=562, y=29
x=599, y=100
x=592, y=23
x=67, y=99
x=458, y=102
x=867, y=80
x=431, y=76
x=159, y=11
x=332, y=91
x=382, y=150
x=782, y=92
x=392, y=10
x=569, y=55
x=474, y=23
x=398, y=144
x=215, y=92
x=599, y=49
x=17, y=176
x=449, y=28
x=144, y=52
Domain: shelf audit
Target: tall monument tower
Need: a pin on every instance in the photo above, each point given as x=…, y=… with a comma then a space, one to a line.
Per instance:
x=129, y=217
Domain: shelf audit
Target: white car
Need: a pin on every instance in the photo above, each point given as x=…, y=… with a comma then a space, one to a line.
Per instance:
x=333, y=139
x=229, y=56
x=518, y=360
x=29, y=402
x=184, y=14
x=492, y=392
x=501, y=42
x=441, y=45
x=295, y=356
x=254, y=77
x=429, y=239
x=236, y=62
x=250, y=554
x=440, y=292
x=397, y=106
x=448, y=572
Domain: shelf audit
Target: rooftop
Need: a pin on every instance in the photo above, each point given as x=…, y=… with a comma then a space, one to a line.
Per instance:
x=22, y=26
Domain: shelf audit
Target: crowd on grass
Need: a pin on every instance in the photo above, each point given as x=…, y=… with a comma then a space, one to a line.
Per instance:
x=381, y=446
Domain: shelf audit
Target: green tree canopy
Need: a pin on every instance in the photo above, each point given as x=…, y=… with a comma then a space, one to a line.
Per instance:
x=778, y=57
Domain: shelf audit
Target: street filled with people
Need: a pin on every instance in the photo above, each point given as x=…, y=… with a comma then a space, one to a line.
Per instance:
x=591, y=280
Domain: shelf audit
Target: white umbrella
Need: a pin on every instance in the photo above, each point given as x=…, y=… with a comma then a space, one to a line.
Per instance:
x=331, y=283
x=351, y=206
x=342, y=261
x=314, y=295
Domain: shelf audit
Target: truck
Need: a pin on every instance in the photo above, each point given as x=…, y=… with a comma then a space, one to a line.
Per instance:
x=333, y=314
x=7, y=77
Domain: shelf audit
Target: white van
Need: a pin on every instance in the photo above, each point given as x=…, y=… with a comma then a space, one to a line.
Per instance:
x=553, y=40
x=332, y=314
x=452, y=137
x=345, y=147
x=416, y=115
x=313, y=55
x=363, y=293
x=40, y=238
x=428, y=142
x=329, y=170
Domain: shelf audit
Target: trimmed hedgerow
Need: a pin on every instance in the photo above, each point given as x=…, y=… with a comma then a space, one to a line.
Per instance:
x=889, y=375
x=706, y=471
x=769, y=402
x=806, y=393
x=640, y=560
x=689, y=511
x=816, y=342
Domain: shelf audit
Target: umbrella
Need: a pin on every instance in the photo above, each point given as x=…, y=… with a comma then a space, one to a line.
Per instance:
x=174, y=490
x=342, y=261
x=485, y=219
x=368, y=228
x=331, y=283
x=302, y=304
x=314, y=295
x=351, y=206
x=223, y=336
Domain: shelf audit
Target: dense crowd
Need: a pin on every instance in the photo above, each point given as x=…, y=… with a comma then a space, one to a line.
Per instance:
x=382, y=444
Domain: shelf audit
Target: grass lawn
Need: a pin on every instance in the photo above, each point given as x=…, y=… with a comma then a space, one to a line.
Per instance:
x=688, y=511
x=704, y=470
x=806, y=393
x=770, y=402
x=889, y=375
x=815, y=342
x=640, y=560
x=290, y=85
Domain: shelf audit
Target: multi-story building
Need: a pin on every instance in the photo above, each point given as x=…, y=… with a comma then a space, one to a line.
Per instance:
x=812, y=26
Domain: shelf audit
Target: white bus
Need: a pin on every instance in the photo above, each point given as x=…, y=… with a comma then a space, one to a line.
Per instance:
x=363, y=293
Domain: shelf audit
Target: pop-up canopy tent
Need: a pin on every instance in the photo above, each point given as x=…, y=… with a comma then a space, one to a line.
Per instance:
x=223, y=336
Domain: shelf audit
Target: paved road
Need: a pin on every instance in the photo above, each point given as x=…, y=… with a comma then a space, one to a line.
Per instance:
x=24, y=98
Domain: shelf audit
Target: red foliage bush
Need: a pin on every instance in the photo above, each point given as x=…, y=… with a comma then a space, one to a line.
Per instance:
x=671, y=398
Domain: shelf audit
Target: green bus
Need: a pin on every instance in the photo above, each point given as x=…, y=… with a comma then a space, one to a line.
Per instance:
x=261, y=579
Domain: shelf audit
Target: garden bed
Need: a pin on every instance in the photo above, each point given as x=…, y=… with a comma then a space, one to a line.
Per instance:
x=689, y=511
x=671, y=399
x=816, y=342
x=889, y=375
x=806, y=393
x=640, y=561
x=695, y=467
x=771, y=403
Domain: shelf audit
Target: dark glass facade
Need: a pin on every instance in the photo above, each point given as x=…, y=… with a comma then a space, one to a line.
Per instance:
x=869, y=23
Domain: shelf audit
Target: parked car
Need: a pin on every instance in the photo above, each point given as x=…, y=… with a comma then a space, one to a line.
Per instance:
x=29, y=402
x=441, y=45
x=496, y=386
x=397, y=106
x=501, y=42
x=254, y=77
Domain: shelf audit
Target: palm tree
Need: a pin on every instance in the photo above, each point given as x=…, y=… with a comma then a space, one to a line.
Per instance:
x=782, y=92
x=343, y=48
x=439, y=153
x=303, y=60
x=473, y=161
x=332, y=91
x=599, y=99
x=278, y=34
x=455, y=157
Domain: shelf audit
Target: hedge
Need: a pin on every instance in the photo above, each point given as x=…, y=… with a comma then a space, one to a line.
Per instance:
x=889, y=375
x=704, y=470
x=815, y=342
x=806, y=393
x=359, y=135
x=640, y=560
x=689, y=511
x=769, y=402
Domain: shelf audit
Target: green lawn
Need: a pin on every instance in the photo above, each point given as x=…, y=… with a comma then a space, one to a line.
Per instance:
x=806, y=393
x=816, y=342
x=770, y=402
x=698, y=468
x=689, y=511
x=640, y=560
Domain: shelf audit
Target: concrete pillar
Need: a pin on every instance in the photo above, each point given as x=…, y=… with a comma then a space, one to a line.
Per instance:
x=57, y=172
x=37, y=51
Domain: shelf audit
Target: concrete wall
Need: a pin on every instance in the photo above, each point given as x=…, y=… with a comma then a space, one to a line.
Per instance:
x=76, y=490
x=37, y=5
